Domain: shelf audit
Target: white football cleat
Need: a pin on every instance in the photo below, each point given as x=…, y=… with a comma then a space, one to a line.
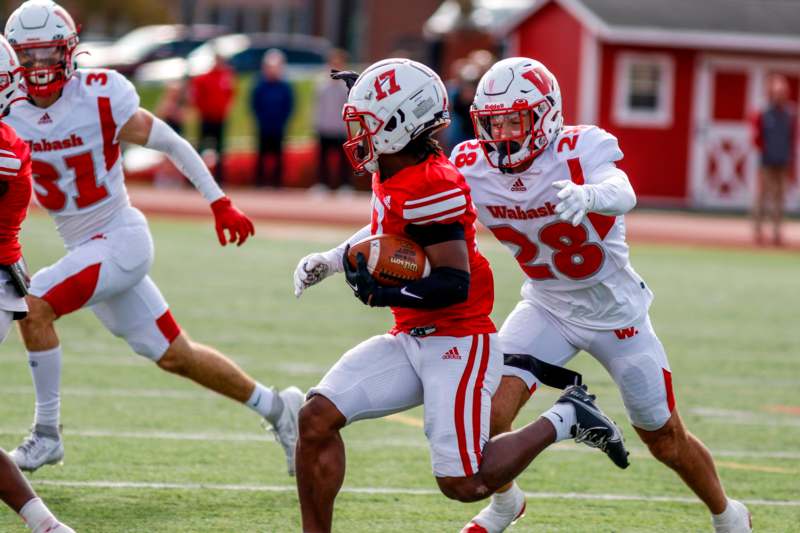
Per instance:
x=737, y=519
x=500, y=513
x=50, y=526
x=286, y=428
x=42, y=447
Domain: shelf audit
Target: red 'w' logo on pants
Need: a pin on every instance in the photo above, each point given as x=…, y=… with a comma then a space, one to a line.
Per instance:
x=625, y=333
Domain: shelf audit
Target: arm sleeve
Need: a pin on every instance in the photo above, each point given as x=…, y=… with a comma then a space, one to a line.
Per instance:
x=361, y=234
x=185, y=158
x=442, y=288
x=613, y=193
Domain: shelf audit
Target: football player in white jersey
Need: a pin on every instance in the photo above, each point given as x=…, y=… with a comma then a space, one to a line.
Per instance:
x=555, y=197
x=74, y=122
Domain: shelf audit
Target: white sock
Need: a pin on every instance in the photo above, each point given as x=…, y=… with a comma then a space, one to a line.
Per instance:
x=262, y=400
x=727, y=515
x=506, y=500
x=562, y=416
x=46, y=371
x=36, y=515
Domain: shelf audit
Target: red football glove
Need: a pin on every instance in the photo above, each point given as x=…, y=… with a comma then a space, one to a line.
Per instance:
x=227, y=217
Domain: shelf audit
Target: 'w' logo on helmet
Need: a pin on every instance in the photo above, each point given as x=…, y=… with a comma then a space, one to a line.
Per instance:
x=539, y=79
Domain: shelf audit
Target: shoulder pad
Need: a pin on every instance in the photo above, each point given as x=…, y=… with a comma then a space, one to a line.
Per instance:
x=594, y=146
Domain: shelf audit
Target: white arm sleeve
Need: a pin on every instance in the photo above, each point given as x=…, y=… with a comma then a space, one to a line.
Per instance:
x=613, y=194
x=185, y=158
x=361, y=234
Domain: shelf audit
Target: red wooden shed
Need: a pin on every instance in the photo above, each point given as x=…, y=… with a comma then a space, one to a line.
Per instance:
x=674, y=80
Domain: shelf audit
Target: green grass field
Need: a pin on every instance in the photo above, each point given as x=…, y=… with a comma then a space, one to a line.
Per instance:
x=147, y=452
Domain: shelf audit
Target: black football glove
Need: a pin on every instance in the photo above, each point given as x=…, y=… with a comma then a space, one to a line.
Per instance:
x=347, y=76
x=364, y=286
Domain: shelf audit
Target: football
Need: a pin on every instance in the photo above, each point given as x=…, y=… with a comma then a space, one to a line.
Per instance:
x=392, y=260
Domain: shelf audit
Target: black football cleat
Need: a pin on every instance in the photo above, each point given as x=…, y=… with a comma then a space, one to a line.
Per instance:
x=593, y=428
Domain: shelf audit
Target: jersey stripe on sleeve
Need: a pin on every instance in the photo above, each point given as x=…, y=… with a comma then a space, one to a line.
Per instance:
x=9, y=163
x=437, y=207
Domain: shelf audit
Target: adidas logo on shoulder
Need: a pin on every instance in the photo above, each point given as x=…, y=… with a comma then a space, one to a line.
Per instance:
x=452, y=353
x=518, y=186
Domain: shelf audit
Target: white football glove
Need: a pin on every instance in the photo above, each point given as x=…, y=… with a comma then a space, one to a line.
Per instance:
x=313, y=268
x=576, y=201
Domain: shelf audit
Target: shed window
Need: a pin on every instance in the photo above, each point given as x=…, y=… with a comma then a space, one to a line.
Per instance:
x=644, y=89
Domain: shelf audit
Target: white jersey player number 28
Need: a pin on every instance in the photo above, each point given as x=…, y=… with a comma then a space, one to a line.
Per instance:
x=573, y=255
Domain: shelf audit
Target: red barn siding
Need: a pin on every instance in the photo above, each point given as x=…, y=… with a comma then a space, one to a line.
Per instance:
x=656, y=159
x=553, y=37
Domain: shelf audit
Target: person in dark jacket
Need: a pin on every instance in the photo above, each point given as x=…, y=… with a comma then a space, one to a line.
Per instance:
x=272, y=102
x=775, y=137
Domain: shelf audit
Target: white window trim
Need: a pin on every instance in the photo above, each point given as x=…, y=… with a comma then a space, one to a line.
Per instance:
x=623, y=114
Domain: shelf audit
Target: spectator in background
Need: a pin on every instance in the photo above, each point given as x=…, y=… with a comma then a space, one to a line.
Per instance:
x=331, y=97
x=272, y=102
x=460, y=104
x=775, y=137
x=212, y=95
x=171, y=107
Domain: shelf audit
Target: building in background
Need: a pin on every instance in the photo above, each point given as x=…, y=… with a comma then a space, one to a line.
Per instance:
x=675, y=81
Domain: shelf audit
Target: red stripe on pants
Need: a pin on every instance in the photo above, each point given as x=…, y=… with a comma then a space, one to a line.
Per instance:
x=461, y=395
x=476, y=400
x=73, y=293
x=668, y=386
x=168, y=327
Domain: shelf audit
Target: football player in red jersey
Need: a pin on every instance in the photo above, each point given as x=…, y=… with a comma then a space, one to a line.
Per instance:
x=442, y=352
x=15, y=195
x=75, y=121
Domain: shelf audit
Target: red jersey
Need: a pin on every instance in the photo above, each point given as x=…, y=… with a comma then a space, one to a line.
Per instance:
x=15, y=192
x=434, y=191
x=212, y=93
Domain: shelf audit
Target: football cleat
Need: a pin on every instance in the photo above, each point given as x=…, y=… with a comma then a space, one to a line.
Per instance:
x=286, y=428
x=497, y=516
x=592, y=427
x=42, y=447
x=739, y=521
x=52, y=526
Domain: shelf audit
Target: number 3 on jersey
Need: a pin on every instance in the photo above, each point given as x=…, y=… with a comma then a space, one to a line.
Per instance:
x=82, y=165
x=573, y=255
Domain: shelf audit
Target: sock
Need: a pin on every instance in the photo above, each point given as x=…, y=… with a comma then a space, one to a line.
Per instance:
x=262, y=401
x=46, y=371
x=728, y=514
x=506, y=500
x=562, y=416
x=36, y=515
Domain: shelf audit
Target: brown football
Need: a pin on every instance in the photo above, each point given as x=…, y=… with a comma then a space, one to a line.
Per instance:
x=391, y=259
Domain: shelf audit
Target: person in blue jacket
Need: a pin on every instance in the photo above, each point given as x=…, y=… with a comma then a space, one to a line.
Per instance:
x=272, y=102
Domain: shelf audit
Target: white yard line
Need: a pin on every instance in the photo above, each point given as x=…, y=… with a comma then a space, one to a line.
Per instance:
x=360, y=442
x=393, y=491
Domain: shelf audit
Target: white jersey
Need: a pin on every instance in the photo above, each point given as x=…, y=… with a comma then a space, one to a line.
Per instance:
x=77, y=164
x=581, y=274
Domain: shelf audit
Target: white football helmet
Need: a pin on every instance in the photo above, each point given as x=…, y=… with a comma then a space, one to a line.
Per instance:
x=516, y=111
x=391, y=103
x=44, y=36
x=10, y=77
